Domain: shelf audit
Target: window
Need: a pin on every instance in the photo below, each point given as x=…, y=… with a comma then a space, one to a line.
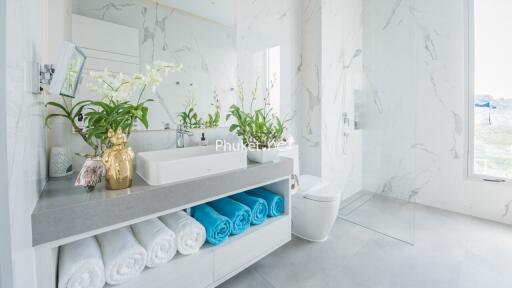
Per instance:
x=490, y=89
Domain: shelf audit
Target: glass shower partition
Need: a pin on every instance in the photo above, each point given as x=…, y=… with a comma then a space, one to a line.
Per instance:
x=386, y=118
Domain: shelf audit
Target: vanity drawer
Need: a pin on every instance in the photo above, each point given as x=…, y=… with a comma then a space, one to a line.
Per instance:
x=242, y=250
x=194, y=271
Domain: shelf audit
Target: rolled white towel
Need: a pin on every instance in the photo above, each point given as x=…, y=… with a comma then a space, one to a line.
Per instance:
x=123, y=256
x=80, y=265
x=190, y=234
x=158, y=240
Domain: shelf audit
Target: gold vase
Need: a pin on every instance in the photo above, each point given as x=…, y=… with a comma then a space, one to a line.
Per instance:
x=118, y=161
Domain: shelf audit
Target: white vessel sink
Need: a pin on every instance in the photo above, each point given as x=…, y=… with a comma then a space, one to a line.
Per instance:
x=173, y=165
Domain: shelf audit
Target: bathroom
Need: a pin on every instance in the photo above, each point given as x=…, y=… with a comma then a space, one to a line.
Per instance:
x=385, y=159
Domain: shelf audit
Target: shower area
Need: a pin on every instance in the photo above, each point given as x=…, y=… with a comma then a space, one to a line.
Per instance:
x=385, y=124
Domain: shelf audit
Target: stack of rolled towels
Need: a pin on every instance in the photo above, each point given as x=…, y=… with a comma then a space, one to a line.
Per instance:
x=115, y=257
x=234, y=215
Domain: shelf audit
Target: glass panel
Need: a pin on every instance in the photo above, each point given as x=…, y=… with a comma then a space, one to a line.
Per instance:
x=386, y=119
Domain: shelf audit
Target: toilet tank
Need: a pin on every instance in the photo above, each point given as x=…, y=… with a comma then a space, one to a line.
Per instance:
x=291, y=151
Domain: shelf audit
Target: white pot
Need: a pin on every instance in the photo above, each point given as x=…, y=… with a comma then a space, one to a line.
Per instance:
x=60, y=162
x=263, y=155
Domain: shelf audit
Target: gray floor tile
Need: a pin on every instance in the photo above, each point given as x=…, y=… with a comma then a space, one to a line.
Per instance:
x=385, y=262
x=306, y=264
x=450, y=250
x=387, y=215
x=248, y=278
x=479, y=271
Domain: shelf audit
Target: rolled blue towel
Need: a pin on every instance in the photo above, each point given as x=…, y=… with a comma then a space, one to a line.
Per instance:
x=274, y=201
x=239, y=214
x=217, y=226
x=258, y=206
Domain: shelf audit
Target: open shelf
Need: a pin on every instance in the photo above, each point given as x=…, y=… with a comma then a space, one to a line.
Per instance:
x=65, y=213
x=224, y=260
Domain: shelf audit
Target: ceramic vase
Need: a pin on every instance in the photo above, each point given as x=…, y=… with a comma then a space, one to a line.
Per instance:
x=118, y=161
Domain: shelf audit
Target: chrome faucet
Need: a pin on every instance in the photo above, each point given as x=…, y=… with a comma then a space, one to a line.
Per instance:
x=180, y=135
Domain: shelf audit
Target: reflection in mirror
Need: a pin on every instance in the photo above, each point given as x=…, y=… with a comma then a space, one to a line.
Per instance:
x=266, y=70
x=274, y=77
x=125, y=37
x=72, y=74
x=68, y=71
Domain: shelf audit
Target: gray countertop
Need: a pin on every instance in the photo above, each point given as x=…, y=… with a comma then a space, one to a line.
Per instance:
x=64, y=210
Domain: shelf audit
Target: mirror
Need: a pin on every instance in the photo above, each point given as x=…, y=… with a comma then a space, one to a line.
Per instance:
x=125, y=37
x=67, y=72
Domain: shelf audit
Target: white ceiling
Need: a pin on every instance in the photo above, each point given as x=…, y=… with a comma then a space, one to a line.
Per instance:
x=221, y=11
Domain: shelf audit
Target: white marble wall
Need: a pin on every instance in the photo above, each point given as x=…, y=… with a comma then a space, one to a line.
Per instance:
x=415, y=111
x=310, y=117
x=26, y=150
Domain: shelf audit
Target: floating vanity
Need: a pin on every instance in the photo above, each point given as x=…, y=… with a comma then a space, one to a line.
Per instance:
x=65, y=213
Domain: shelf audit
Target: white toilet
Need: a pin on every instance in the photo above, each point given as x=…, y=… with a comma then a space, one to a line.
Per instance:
x=314, y=204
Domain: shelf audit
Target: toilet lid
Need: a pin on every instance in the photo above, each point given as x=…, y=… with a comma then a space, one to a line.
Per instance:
x=317, y=189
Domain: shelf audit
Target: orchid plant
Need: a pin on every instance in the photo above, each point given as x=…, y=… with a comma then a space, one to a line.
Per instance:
x=260, y=128
x=115, y=87
x=116, y=110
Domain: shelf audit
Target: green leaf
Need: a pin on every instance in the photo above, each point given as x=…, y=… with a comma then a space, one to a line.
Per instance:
x=58, y=105
x=233, y=127
x=53, y=116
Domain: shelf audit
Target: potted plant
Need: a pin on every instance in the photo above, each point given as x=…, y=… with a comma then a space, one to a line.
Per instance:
x=191, y=120
x=113, y=117
x=260, y=130
x=189, y=117
x=213, y=119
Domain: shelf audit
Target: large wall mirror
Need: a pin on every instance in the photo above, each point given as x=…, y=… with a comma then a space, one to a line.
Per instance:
x=127, y=36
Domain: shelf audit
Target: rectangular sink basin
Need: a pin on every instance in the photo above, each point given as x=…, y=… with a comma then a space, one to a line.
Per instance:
x=174, y=165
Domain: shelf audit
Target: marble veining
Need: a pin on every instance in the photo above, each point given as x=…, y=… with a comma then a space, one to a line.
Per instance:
x=395, y=7
x=373, y=91
x=354, y=56
x=299, y=66
x=456, y=120
x=314, y=98
x=111, y=6
x=313, y=104
x=310, y=10
x=428, y=42
x=507, y=209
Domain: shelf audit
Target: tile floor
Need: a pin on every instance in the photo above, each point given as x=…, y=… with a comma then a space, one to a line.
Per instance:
x=450, y=250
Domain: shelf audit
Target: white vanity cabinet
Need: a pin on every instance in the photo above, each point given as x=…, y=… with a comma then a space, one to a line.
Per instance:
x=209, y=267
